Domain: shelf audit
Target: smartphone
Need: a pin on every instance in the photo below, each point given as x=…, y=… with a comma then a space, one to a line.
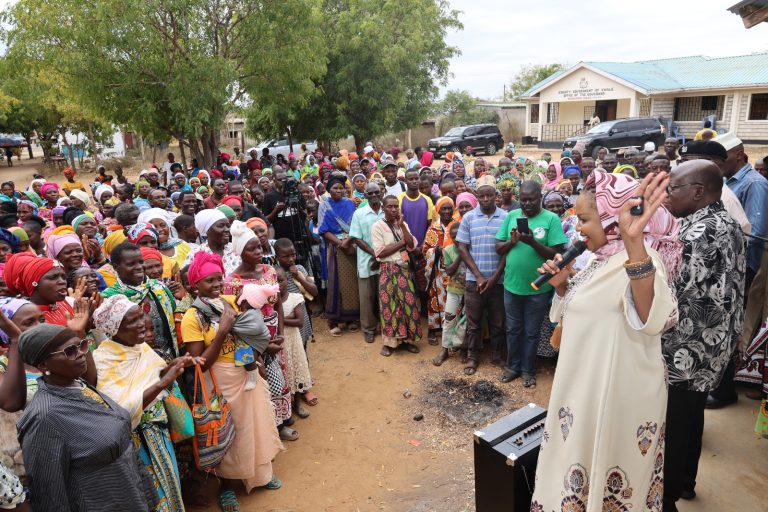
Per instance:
x=638, y=209
x=522, y=225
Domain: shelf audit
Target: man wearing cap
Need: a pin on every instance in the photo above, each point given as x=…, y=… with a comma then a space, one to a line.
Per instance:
x=394, y=186
x=715, y=152
x=752, y=190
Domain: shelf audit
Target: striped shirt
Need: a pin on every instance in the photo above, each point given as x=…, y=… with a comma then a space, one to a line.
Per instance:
x=478, y=230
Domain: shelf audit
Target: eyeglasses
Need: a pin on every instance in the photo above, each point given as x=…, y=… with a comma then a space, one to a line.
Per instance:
x=71, y=351
x=672, y=188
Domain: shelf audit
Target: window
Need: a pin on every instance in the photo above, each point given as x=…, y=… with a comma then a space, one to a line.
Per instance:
x=696, y=108
x=553, y=113
x=233, y=134
x=490, y=130
x=535, y=113
x=621, y=127
x=758, y=107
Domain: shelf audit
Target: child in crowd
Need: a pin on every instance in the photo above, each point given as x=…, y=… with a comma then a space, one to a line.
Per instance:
x=252, y=298
x=359, y=182
x=299, y=378
x=454, y=327
x=299, y=280
x=185, y=228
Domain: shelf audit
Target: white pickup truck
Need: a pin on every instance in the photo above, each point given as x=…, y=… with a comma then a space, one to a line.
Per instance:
x=281, y=147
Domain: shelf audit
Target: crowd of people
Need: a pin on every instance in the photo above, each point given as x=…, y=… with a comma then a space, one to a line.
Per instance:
x=137, y=315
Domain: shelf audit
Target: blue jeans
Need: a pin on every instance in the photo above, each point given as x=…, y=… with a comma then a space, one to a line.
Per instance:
x=524, y=315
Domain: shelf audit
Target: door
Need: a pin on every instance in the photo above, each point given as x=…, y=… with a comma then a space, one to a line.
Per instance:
x=606, y=110
x=472, y=137
x=620, y=135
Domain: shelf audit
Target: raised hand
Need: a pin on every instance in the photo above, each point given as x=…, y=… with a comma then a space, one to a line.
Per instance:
x=9, y=328
x=653, y=192
x=78, y=321
x=79, y=290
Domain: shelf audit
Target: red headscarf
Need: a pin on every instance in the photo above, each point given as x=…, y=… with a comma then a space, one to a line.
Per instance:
x=149, y=253
x=228, y=200
x=216, y=174
x=24, y=270
x=204, y=264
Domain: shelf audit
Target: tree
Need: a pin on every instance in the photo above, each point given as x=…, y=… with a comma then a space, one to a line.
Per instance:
x=460, y=108
x=386, y=59
x=528, y=76
x=173, y=68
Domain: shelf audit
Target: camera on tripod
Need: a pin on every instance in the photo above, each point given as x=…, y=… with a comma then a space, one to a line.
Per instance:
x=291, y=190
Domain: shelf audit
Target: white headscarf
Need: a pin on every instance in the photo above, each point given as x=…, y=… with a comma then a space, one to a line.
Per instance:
x=79, y=194
x=207, y=218
x=241, y=235
x=100, y=191
x=152, y=214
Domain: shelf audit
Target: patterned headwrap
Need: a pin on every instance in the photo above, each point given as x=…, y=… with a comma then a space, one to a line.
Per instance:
x=139, y=231
x=612, y=191
x=204, y=264
x=442, y=202
x=108, y=317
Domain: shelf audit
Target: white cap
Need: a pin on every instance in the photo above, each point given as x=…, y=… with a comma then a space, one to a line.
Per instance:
x=649, y=147
x=728, y=140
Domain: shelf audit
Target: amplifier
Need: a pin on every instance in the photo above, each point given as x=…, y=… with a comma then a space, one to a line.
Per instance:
x=506, y=453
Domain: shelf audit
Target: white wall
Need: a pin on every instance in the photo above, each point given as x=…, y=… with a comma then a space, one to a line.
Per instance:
x=585, y=85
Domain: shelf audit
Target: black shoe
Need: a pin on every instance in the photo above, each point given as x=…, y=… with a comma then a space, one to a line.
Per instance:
x=509, y=375
x=688, y=495
x=719, y=403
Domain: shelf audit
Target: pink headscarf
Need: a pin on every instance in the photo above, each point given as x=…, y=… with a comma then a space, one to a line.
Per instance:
x=202, y=265
x=427, y=157
x=612, y=191
x=47, y=186
x=466, y=196
x=258, y=294
x=57, y=242
x=552, y=184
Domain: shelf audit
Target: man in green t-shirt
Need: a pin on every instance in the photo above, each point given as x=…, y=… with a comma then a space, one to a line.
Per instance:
x=525, y=251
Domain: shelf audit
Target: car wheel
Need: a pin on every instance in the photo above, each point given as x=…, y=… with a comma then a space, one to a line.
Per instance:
x=491, y=149
x=456, y=149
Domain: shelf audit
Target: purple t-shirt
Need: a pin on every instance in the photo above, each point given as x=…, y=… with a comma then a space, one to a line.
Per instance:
x=417, y=215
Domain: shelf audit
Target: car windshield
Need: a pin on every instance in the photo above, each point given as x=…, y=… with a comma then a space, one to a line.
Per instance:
x=454, y=132
x=601, y=128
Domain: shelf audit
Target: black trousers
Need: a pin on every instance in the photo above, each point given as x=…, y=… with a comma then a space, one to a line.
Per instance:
x=682, y=449
x=475, y=304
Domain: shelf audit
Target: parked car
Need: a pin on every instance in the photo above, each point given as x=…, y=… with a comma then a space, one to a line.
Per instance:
x=281, y=147
x=484, y=138
x=620, y=133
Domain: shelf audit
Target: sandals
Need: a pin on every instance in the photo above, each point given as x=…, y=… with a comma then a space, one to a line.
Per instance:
x=529, y=382
x=309, y=398
x=336, y=331
x=432, y=339
x=440, y=358
x=413, y=349
x=288, y=434
x=471, y=367
x=509, y=376
x=274, y=484
x=353, y=328
x=228, y=501
x=300, y=411
x=386, y=351
x=370, y=337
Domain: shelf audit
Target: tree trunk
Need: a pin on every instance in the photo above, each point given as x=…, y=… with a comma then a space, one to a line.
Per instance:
x=183, y=153
x=141, y=148
x=28, y=138
x=154, y=152
x=207, y=157
x=194, y=148
x=359, y=142
x=71, y=153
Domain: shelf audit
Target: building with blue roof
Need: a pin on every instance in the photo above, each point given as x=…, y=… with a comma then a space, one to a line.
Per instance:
x=730, y=91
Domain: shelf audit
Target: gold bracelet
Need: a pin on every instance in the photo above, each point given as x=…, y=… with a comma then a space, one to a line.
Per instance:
x=629, y=265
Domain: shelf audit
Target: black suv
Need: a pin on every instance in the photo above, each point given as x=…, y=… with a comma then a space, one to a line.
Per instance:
x=619, y=133
x=482, y=137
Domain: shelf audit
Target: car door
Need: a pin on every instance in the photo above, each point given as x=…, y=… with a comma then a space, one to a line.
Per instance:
x=470, y=137
x=619, y=135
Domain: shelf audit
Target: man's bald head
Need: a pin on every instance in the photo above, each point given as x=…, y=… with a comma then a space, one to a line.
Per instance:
x=694, y=185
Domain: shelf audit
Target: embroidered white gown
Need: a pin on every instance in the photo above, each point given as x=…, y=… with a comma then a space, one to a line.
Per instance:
x=603, y=447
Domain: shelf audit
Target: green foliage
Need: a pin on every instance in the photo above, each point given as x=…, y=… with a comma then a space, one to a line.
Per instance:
x=528, y=76
x=172, y=68
x=386, y=59
x=459, y=108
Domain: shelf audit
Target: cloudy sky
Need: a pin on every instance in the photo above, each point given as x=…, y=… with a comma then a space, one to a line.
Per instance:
x=501, y=35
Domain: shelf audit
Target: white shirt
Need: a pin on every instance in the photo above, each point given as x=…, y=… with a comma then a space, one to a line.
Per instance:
x=734, y=209
x=167, y=171
x=396, y=189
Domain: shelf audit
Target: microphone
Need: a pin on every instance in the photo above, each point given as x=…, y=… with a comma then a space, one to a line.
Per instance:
x=568, y=256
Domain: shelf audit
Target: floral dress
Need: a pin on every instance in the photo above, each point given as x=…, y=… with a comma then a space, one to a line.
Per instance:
x=437, y=279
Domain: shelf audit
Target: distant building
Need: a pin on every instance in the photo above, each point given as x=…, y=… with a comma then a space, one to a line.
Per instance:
x=734, y=90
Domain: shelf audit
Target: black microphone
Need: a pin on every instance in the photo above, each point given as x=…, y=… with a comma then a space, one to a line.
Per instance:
x=568, y=256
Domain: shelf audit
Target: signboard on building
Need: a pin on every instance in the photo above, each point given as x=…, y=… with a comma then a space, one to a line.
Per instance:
x=583, y=92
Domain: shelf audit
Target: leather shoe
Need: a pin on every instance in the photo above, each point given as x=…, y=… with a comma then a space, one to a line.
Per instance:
x=688, y=495
x=719, y=403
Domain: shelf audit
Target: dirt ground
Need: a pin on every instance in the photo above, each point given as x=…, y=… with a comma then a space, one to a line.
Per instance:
x=361, y=449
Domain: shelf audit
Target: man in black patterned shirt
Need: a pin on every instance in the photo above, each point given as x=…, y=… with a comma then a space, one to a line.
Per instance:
x=710, y=292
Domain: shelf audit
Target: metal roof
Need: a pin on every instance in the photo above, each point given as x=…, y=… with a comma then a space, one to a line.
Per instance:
x=679, y=74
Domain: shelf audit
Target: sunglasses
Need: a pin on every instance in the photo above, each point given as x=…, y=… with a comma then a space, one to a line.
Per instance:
x=72, y=351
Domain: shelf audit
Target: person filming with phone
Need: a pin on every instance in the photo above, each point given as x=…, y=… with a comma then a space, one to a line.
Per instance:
x=528, y=237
